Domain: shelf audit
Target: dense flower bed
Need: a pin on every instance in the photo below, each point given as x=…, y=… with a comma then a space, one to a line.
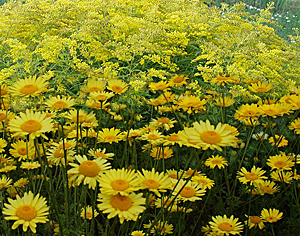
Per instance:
x=127, y=117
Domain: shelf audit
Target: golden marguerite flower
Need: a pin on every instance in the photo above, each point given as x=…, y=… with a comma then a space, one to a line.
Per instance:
x=282, y=176
x=31, y=123
x=161, y=152
x=126, y=207
x=57, y=156
x=295, y=125
x=247, y=112
x=159, y=227
x=88, y=171
x=204, y=181
x=154, y=181
x=188, y=191
x=59, y=103
x=117, y=86
x=271, y=215
x=87, y=213
x=260, y=87
x=255, y=175
x=32, y=86
x=163, y=122
x=120, y=181
x=109, y=135
x=94, y=85
x=3, y=144
x=192, y=104
x=81, y=116
x=101, y=96
x=226, y=226
x=5, y=182
x=159, y=86
x=254, y=221
x=27, y=211
x=280, y=162
x=100, y=153
x=227, y=101
x=222, y=80
x=178, y=80
x=22, y=150
x=207, y=136
x=266, y=187
x=280, y=141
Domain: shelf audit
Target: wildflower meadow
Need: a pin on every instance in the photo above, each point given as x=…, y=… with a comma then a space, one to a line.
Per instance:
x=147, y=117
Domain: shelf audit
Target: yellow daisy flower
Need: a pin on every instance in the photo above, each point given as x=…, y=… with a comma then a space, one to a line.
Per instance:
x=188, y=191
x=120, y=181
x=247, y=112
x=7, y=168
x=5, y=182
x=222, y=80
x=254, y=222
x=226, y=226
x=31, y=86
x=280, y=141
x=172, y=139
x=192, y=103
x=30, y=165
x=56, y=156
x=4, y=91
x=163, y=122
x=19, y=150
x=254, y=176
x=3, y=144
x=227, y=101
x=295, y=125
x=6, y=116
x=137, y=233
x=159, y=86
x=280, y=162
x=101, y=96
x=109, y=135
x=94, y=85
x=59, y=103
x=266, y=187
x=126, y=207
x=271, y=215
x=88, y=171
x=203, y=181
x=27, y=211
x=217, y=160
x=87, y=213
x=161, y=153
x=154, y=181
x=31, y=123
x=21, y=182
x=160, y=227
x=282, y=176
x=178, y=80
x=260, y=87
x=117, y=86
x=100, y=153
x=81, y=115
x=154, y=137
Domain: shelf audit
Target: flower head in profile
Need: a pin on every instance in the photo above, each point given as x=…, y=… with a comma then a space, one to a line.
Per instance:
x=159, y=86
x=271, y=215
x=88, y=171
x=32, y=86
x=226, y=226
x=260, y=87
x=159, y=228
x=27, y=211
x=31, y=123
x=59, y=103
x=222, y=80
x=178, y=80
x=87, y=213
x=254, y=222
x=5, y=182
x=117, y=86
x=280, y=141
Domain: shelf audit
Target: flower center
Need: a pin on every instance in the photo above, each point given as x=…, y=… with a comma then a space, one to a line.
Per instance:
x=187, y=192
x=89, y=168
x=58, y=154
x=3, y=92
x=80, y=118
x=251, y=176
x=26, y=213
x=249, y=113
x=94, y=89
x=120, y=185
x=22, y=151
x=117, y=88
x=152, y=137
x=89, y=215
x=151, y=183
x=122, y=203
x=31, y=126
x=173, y=176
x=203, y=182
x=101, y=97
x=279, y=164
x=266, y=189
x=60, y=105
x=29, y=89
x=2, y=116
x=255, y=219
x=225, y=227
x=178, y=79
x=210, y=137
x=216, y=162
x=163, y=120
x=191, y=171
x=67, y=146
x=271, y=219
x=100, y=154
x=174, y=137
x=110, y=138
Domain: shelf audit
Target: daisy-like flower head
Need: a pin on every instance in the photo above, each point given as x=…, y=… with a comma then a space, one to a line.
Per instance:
x=3, y=144
x=282, y=176
x=178, y=80
x=188, y=191
x=280, y=141
x=163, y=122
x=100, y=153
x=260, y=87
x=227, y=101
x=222, y=80
x=94, y=85
x=153, y=137
x=169, y=203
x=5, y=182
x=120, y=181
x=7, y=168
x=174, y=174
x=154, y=181
x=192, y=103
x=19, y=150
x=87, y=213
x=295, y=101
x=109, y=135
x=125, y=207
x=4, y=90
x=203, y=181
x=260, y=136
x=226, y=226
x=59, y=103
x=172, y=139
x=280, y=162
x=217, y=160
x=247, y=112
x=266, y=187
x=88, y=171
x=21, y=182
x=137, y=233
x=81, y=116
x=6, y=116
x=161, y=152
x=159, y=86
x=271, y=215
x=207, y=136
x=31, y=123
x=30, y=165
x=56, y=156
x=272, y=110
x=295, y=125
x=31, y=86
x=160, y=227
x=101, y=96
x=27, y=211
x=117, y=86
x=254, y=221
x=254, y=176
